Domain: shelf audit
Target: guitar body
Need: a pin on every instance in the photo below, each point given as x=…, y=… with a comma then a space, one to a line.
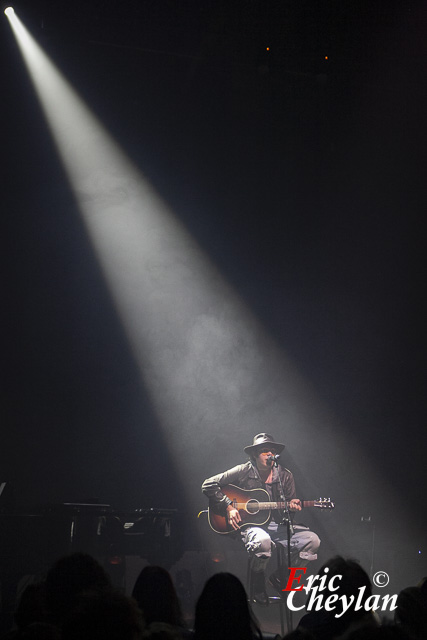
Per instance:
x=255, y=507
x=248, y=502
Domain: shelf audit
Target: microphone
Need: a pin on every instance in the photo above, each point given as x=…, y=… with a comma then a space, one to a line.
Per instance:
x=274, y=459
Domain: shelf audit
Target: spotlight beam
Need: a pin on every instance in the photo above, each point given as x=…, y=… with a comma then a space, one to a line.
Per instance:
x=214, y=376
x=182, y=319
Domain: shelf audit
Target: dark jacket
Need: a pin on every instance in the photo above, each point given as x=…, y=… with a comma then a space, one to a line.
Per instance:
x=246, y=476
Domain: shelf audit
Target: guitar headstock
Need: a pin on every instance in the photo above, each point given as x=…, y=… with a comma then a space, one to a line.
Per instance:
x=324, y=503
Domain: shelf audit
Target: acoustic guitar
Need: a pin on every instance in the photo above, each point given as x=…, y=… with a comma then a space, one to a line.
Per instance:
x=254, y=507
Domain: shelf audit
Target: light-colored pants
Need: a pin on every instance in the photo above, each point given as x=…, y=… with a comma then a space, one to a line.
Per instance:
x=259, y=543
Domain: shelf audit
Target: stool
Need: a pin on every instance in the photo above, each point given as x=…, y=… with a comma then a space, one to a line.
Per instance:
x=284, y=610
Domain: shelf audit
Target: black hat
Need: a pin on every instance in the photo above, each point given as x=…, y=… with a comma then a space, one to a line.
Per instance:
x=263, y=439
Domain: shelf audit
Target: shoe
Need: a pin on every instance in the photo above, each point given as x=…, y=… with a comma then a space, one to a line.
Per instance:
x=261, y=599
x=259, y=593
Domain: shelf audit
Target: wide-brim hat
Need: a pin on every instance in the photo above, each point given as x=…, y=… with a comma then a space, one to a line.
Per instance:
x=263, y=439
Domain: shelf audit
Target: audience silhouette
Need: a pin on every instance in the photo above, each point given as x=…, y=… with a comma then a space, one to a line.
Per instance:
x=411, y=612
x=323, y=624
x=67, y=579
x=222, y=611
x=78, y=602
x=156, y=596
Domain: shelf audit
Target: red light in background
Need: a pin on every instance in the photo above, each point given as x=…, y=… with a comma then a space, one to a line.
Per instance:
x=218, y=557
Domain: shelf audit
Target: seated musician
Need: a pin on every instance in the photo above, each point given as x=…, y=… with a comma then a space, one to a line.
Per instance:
x=263, y=471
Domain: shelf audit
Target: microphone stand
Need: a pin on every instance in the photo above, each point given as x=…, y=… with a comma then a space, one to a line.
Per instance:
x=290, y=533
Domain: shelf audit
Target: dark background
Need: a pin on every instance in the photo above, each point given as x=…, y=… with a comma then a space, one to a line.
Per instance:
x=301, y=177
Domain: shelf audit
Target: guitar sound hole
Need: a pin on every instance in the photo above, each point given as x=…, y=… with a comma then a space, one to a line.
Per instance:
x=252, y=506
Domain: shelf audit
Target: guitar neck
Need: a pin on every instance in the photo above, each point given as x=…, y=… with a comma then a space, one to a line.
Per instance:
x=271, y=506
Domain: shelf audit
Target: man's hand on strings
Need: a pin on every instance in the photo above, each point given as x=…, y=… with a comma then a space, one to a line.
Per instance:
x=295, y=505
x=233, y=517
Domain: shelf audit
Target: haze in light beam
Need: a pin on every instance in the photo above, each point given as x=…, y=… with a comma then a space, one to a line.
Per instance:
x=214, y=376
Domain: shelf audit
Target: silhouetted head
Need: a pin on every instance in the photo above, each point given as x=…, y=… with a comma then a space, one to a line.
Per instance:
x=68, y=578
x=411, y=611
x=353, y=577
x=351, y=583
x=155, y=594
x=222, y=610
